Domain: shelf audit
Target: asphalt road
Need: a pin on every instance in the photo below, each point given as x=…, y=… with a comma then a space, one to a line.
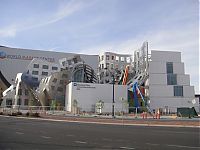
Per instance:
x=18, y=133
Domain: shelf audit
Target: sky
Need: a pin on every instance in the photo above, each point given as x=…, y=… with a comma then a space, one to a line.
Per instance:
x=93, y=26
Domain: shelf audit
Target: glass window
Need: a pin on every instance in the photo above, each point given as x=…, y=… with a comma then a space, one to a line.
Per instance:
x=54, y=68
x=45, y=67
x=61, y=81
x=34, y=78
x=169, y=67
x=128, y=59
x=122, y=59
x=20, y=92
x=178, y=90
x=69, y=62
x=60, y=89
x=54, y=80
x=19, y=101
x=102, y=65
x=44, y=73
x=171, y=79
x=117, y=58
x=102, y=57
x=113, y=57
x=35, y=72
x=35, y=65
x=64, y=75
x=107, y=65
x=52, y=87
x=107, y=57
x=26, y=92
x=26, y=102
x=112, y=66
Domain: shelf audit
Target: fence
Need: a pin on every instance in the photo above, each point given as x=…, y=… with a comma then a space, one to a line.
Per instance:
x=105, y=110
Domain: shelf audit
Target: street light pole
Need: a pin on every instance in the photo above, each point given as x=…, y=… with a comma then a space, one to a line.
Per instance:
x=113, y=100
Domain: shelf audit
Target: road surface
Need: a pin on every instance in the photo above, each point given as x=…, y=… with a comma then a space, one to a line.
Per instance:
x=19, y=133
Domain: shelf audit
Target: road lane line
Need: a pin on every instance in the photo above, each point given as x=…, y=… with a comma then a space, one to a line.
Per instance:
x=127, y=148
x=19, y=133
x=46, y=137
x=81, y=142
x=152, y=144
x=70, y=135
x=182, y=146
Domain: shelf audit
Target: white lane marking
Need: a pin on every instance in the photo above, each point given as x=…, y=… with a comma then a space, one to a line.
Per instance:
x=46, y=137
x=20, y=133
x=106, y=139
x=153, y=144
x=182, y=146
x=71, y=135
x=81, y=142
x=127, y=148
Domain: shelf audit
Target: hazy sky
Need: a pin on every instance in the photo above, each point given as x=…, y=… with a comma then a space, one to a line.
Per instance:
x=91, y=26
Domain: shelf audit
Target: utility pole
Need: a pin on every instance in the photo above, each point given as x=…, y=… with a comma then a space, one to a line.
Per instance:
x=113, y=100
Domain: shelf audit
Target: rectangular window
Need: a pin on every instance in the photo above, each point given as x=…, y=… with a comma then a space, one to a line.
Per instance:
x=44, y=73
x=102, y=57
x=54, y=80
x=117, y=58
x=102, y=66
x=52, y=87
x=34, y=78
x=122, y=59
x=19, y=101
x=169, y=67
x=54, y=68
x=61, y=81
x=59, y=89
x=113, y=57
x=171, y=79
x=178, y=90
x=35, y=72
x=107, y=65
x=107, y=57
x=20, y=92
x=128, y=59
x=112, y=66
x=26, y=102
x=26, y=92
x=45, y=67
x=35, y=65
x=69, y=62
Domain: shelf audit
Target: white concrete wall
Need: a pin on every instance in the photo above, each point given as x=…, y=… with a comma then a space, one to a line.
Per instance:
x=183, y=79
x=157, y=79
x=167, y=56
x=178, y=68
x=88, y=94
x=157, y=67
x=161, y=91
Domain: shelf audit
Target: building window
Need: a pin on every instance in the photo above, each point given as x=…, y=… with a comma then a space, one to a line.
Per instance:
x=107, y=57
x=53, y=87
x=54, y=80
x=54, y=68
x=122, y=59
x=35, y=65
x=44, y=73
x=61, y=81
x=101, y=57
x=69, y=62
x=34, y=78
x=107, y=65
x=26, y=102
x=169, y=67
x=128, y=59
x=59, y=89
x=178, y=90
x=102, y=66
x=19, y=101
x=35, y=72
x=113, y=57
x=45, y=67
x=117, y=58
x=112, y=66
x=171, y=79
x=26, y=92
x=20, y=92
x=64, y=75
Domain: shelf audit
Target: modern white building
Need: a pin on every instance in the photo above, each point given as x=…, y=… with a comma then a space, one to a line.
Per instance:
x=85, y=96
x=169, y=86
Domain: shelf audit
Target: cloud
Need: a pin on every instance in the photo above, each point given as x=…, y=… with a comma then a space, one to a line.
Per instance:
x=62, y=12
